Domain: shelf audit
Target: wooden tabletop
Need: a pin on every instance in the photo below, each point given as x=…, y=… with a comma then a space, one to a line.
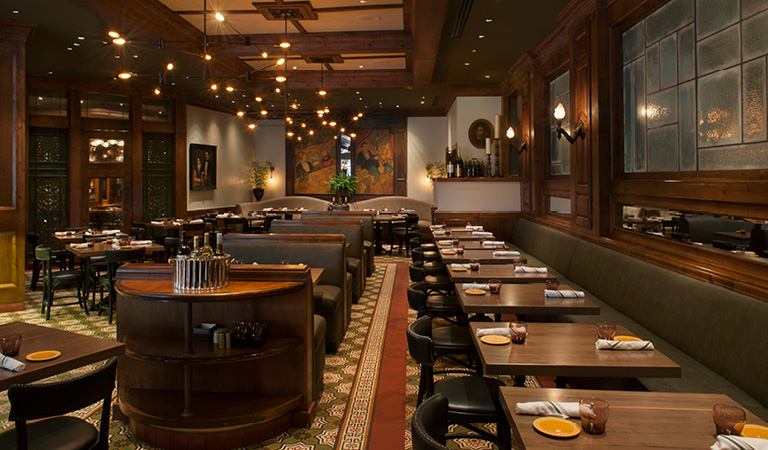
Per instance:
x=462, y=234
x=732, y=235
x=504, y=272
x=636, y=420
x=484, y=256
x=76, y=350
x=523, y=299
x=166, y=225
x=99, y=248
x=80, y=236
x=568, y=349
x=468, y=245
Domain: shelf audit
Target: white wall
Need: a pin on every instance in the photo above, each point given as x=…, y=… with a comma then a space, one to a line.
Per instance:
x=426, y=143
x=477, y=196
x=270, y=146
x=234, y=147
x=463, y=112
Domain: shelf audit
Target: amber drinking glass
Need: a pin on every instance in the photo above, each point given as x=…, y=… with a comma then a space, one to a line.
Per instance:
x=594, y=414
x=474, y=264
x=606, y=330
x=552, y=284
x=518, y=331
x=11, y=344
x=728, y=419
x=494, y=286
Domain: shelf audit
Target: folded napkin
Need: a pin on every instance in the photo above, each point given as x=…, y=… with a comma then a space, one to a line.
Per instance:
x=408, y=211
x=6, y=362
x=474, y=228
x=196, y=221
x=267, y=209
x=178, y=224
x=557, y=409
x=493, y=331
x=140, y=243
x=482, y=233
x=506, y=253
x=563, y=293
x=457, y=266
x=725, y=442
x=549, y=301
x=445, y=241
x=443, y=250
x=435, y=227
x=493, y=243
x=156, y=222
x=606, y=344
x=528, y=269
x=438, y=232
x=221, y=216
x=483, y=286
x=285, y=208
x=110, y=232
x=60, y=233
x=83, y=245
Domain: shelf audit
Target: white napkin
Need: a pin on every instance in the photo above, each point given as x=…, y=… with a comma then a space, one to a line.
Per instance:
x=178, y=224
x=285, y=208
x=267, y=209
x=435, y=227
x=557, y=409
x=60, y=233
x=474, y=228
x=458, y=266
x=443, y=250
x=445, y=241
x=725, y=442
x=506, y=253
x=83, y=245
x=110, y=232
x=606, y=344
x=147, y=242
x=156, y=222
x=562, y=301
x=493, y=331
x=563, y=293
x=528, y=269
x=482, y=233
x=438, y=232
x=221, y=216
x=493, y=243
x=6, y=362
x=483, y=286
x=196, y=221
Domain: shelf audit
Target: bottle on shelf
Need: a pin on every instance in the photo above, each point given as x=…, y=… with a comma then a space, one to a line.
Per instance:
x=219, y=244
x=195, y=253
x=450, y=164
x=459, y=163
x=206, y=249
x=184, y=249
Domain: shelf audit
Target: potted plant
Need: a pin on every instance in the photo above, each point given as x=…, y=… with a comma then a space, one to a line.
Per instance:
x=344, y=187
x=435, y=169
x=259, y=174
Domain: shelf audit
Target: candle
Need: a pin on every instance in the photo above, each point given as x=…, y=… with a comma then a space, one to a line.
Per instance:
x=497, y=127
x=487, y=146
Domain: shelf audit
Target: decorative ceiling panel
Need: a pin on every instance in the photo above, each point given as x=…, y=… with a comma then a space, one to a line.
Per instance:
x=371, y=64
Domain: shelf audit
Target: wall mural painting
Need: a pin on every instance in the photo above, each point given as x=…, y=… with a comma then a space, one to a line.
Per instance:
x=374, y=161
x=315, y=158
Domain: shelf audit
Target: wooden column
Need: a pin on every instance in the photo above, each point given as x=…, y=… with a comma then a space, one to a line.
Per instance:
x=13, y=162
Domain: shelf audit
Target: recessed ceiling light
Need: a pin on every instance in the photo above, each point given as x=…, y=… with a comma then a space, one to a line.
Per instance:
x=82, y=38
x=219, y=17
x=466, y=63
x=361, y=66
x=116, y=56
x=135, y=56
x=357, y=92
x=50, y=73
x=482, y=36
x=76, y=44
x=487, y=76
x=489, y=20
x=294, y=67
x=474, y=50
x=16, y=11
x=69, y=48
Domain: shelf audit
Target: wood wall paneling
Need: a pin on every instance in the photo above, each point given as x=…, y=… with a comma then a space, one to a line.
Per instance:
x=499, y=223
x=581, y=150
x=78, y=169
x=180, y=158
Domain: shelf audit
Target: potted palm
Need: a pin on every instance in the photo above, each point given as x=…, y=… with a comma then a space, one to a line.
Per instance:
x=343, y=187
x=435, y=169
x=259, y=174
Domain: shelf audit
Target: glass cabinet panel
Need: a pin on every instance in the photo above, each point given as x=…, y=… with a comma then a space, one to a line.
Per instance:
x=106, y=150
x=105, y=203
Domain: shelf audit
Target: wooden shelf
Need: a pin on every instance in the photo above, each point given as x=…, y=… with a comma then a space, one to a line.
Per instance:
x=478, y=179
x=166, y=349
x=214, y=409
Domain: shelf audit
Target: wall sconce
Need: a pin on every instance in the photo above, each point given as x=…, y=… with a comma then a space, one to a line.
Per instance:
x=510, y=136
x=560, y=115
x=271, y=173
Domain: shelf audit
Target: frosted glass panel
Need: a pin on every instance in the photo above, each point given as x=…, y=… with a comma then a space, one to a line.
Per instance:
x=662, y=149
x=687, y=51
x=739, y=157
x=638, y=75
x=652, y=67
x=661, y=108
x=719, y=51
x=668, y=19
x=633, y=42
x=715, y=15
x=687, y=126
x=754, y=100
x=749, y=7
x=755, y=36
x=719, y=101
x=668, y=61
x=629, y=123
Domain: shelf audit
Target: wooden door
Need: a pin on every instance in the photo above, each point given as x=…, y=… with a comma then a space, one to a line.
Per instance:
x=13, y=162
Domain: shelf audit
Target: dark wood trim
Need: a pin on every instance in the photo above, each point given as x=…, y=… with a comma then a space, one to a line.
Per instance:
x=132, y=206
x=180, y=159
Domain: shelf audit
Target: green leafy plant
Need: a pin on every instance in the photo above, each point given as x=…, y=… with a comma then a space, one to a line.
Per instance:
x=342, y=185
x=259, y=173
x=436, y=169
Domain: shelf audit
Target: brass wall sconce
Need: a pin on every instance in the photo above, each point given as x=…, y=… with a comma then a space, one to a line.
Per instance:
x=510, y=136
x=271, y=174
x=578, y=133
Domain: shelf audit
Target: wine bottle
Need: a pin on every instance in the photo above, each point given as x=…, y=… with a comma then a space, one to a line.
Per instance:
x=459, y=163
x=219, y=244
x=206, y=249
x=183, y=247
x=449, y=165
x=195, y=253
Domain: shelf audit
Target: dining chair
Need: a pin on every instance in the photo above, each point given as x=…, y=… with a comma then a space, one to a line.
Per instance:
x=403, y=232
x=236, y=224
x=171, y=245
x=114, y=259
x=429, y=424
x=439, y=305
x=436, y=284
x=430, y=267
x=471, y=399
x=53, y=280
x=49, y=401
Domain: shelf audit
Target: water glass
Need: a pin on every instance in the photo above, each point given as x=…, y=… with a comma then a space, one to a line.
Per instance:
x=518, y=332
x=495, y=286
x=474, y=264
x=11, y=344
x=552, y=284
x=606, y=330
x=459, y=249
x=455, y=241
x=728, y=419
x=594, y=414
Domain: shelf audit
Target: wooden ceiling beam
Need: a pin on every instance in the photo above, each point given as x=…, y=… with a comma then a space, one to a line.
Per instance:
x=317, y=43
x=337, y=79
x=427, y=18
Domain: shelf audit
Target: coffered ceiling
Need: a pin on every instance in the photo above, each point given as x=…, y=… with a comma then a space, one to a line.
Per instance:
x=374, y=54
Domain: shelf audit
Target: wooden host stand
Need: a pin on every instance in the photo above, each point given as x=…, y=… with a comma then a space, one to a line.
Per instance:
x=177, y=390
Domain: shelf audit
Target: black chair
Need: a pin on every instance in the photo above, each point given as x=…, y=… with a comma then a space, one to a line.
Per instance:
x=402, y=234
x=443, y=306
x=49, y=401
x=436, y=284
x=430, y=267
x=725, y=245
x=429, y=424
x=471, y=399
x=194, y=229
x=138, y=231
x=114, y=259
x=53, y=280
x=171, y=244
x=59, y=256
x=236, y=225
x=209, y=221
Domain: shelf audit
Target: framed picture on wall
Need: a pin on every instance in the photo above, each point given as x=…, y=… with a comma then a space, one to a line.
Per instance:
x=478, y=131
x=202, y=167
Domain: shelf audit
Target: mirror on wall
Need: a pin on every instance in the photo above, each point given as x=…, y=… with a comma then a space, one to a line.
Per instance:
x=558, y=205
x=105, y=203
x=741, y=236
x=106, y=150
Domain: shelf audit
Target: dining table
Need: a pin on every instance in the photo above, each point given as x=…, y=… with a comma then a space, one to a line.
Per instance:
x=523, y=298
x=483, y=256
x=636, y=420
x=81, y=236
x=99, y=249
x=380, y=221
x=76, y=351
x=445, y=242
x=461, y=233
x=504, y=272
x=568, y=350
